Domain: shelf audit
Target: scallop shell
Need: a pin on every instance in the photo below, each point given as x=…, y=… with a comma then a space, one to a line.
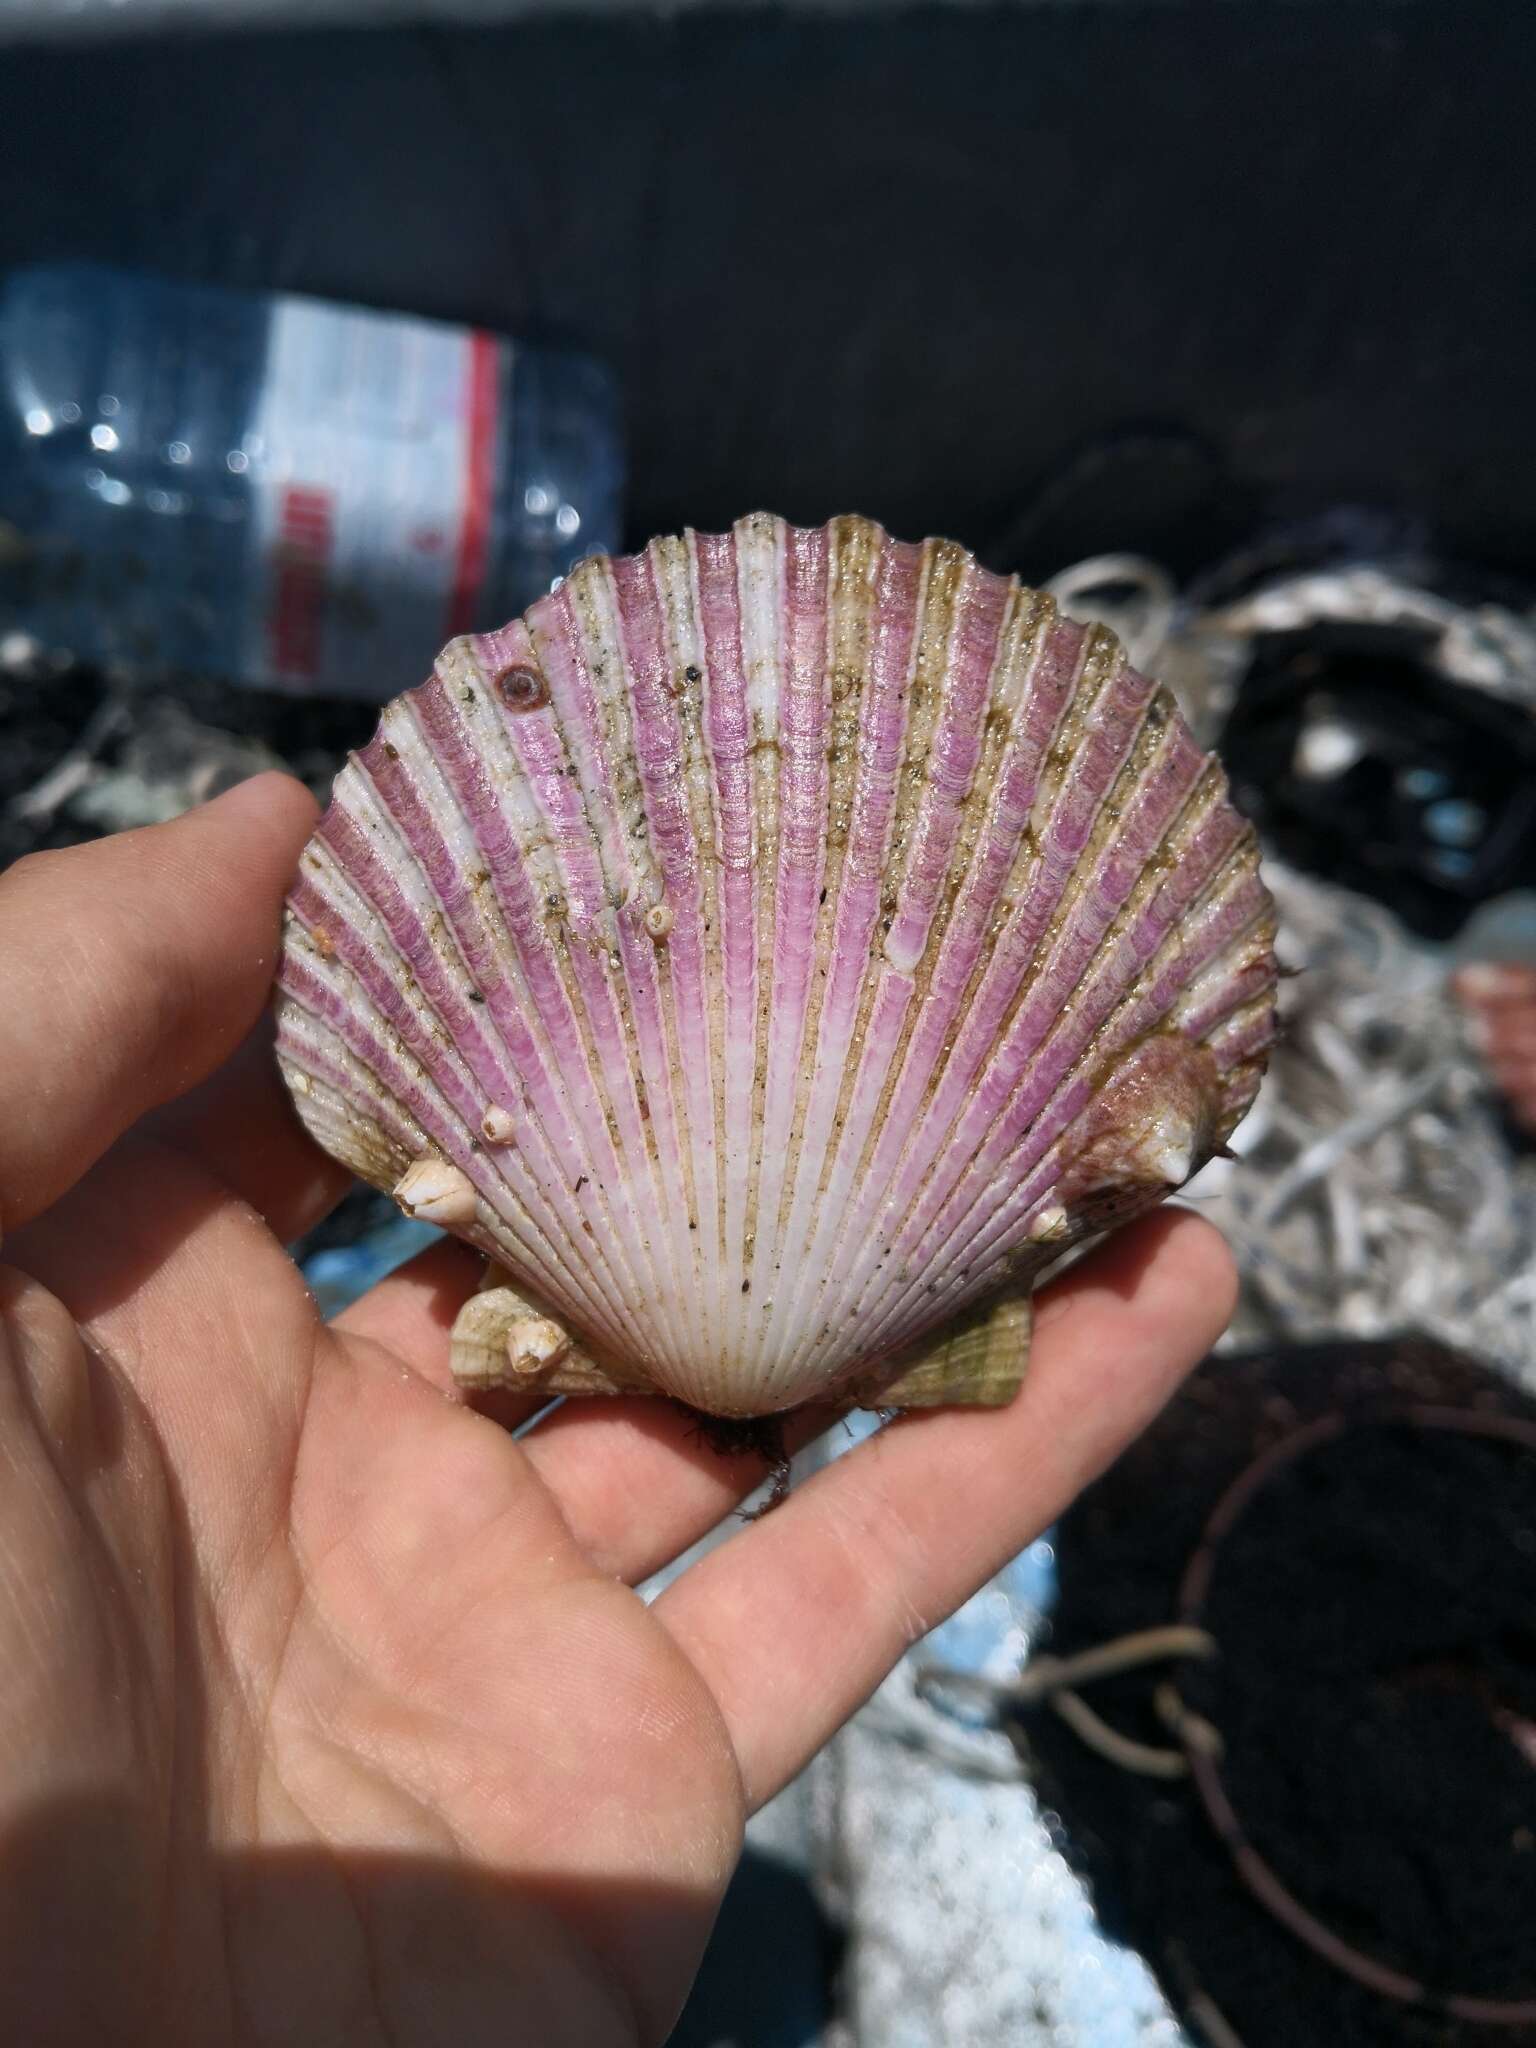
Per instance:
x=773, y=951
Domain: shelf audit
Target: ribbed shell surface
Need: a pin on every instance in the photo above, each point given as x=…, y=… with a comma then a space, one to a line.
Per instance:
x=794, y=936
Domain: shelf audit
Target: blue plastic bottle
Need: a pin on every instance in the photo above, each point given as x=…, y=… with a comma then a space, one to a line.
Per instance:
x=280, y=490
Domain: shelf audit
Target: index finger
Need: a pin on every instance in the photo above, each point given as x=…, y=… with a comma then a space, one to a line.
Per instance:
x=133, y=968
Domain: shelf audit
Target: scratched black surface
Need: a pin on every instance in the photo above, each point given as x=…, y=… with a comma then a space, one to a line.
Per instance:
x=1046, y=278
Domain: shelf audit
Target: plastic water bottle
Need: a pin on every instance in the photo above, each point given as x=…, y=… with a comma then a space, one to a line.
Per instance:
x=279, y=490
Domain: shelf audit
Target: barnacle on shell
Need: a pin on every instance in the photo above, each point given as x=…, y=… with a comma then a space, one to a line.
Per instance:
x=773, y=951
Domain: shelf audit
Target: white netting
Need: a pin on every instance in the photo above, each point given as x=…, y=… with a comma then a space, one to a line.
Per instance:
x=1374, y=1190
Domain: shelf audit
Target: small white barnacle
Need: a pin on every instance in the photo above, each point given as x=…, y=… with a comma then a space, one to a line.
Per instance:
x=436, y=1192
x=659, y=922
x=1165, y=1152
x=497, y=1127
x=533, y=1343
x=1048, y=1223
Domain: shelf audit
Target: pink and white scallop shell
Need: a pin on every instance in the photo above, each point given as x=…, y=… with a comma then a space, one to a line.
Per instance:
x=773, y=951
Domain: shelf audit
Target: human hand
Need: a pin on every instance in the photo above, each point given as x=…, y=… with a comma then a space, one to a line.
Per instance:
x=327, y=1711
x=1500, y=1002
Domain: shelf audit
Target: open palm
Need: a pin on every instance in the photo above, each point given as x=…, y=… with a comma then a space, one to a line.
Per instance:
x=328, y=1713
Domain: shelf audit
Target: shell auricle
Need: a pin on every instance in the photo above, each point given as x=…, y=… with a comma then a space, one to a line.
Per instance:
x=772, y=952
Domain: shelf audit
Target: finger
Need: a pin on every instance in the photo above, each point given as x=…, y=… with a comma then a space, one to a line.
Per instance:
x=134, y=967
x=1506, y=1038
x=1516, y=1082
x=793, y=1622
x=639, y=1480
x=1511, y=1060
x=411, y=1312
x=240, y=1124
x=1492, y=987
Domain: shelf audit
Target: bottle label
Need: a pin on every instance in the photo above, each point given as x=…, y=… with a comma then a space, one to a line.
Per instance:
x=374, y=453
